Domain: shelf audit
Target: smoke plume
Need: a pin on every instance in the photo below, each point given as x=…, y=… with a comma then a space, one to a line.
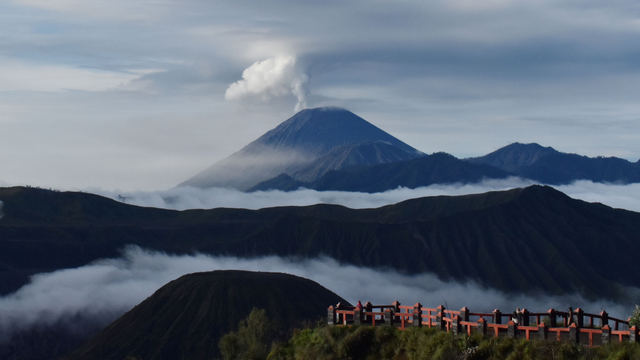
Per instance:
x=275, y=77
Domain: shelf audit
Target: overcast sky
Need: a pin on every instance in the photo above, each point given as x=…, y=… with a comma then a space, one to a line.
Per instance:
x=141, y=95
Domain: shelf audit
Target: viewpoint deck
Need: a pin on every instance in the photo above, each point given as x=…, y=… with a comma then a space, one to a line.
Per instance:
x=551, y=325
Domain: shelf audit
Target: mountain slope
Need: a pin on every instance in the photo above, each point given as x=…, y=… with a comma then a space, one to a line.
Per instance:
x=292, y=146
x=186, y=318
x=548, y=166
x=532, y=240
x=438, y=168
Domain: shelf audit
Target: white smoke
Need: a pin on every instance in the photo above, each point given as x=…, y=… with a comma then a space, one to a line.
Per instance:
x=182, y=198
x=105, y=289
x=275, y=77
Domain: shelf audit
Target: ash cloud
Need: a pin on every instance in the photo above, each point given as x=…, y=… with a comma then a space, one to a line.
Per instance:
x=100, y=292
x=271, y=78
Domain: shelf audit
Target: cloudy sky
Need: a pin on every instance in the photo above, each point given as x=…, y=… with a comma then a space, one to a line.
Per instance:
x=141, y=95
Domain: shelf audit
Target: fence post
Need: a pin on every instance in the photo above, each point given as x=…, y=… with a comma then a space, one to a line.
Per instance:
x=456, y=327
x=440, y=324
x=604, y=319
x=331, y=315
x=574, y=333
x=357, y=316
x=417, y=315
x=368, y=307
x=497, y=316
x=606, y=334
x=464, y=314
x=580, y=317
x=633, y=334
x=552, y=318
x=482, y=326
x=388, y=317
x=543, y=331
x=511, y=329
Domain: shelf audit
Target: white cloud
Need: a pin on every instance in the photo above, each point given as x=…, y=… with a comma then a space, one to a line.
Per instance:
x=182, y=198
x=275, y=77
x=20, y=76
x=105, y=289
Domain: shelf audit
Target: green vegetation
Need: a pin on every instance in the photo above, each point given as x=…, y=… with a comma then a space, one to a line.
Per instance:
x=325, y=342
x=635, y=317
x=251, y=341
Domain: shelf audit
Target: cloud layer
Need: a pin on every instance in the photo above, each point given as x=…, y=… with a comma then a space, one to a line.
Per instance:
x=104, y=290
x=182, y=198
x=274, y=77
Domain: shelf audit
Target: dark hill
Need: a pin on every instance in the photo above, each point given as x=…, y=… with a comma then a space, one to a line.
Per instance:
x=438, y=168
x=186, y=318
x=293, y=146
x=532, y=240
x=548, y=166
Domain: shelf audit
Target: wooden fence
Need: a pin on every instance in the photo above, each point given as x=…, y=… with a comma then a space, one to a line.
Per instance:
x=575, y=326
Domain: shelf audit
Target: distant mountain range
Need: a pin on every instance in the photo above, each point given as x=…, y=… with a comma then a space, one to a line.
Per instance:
x=334, y=149
x=531, y=240
x=186, y=318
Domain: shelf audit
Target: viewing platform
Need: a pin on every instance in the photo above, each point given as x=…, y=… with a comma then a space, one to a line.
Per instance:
x=574, y=326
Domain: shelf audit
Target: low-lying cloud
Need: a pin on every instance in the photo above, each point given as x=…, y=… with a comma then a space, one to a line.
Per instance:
x=271, y=78
x=105, y=289
x=182, y=198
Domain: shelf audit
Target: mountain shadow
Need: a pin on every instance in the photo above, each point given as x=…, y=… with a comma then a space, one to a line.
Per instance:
x=186, y=318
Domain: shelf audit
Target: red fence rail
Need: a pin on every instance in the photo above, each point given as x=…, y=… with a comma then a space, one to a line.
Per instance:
x=551, y=325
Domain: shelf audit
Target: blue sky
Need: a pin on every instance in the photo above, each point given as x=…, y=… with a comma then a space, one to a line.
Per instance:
x=141, y=95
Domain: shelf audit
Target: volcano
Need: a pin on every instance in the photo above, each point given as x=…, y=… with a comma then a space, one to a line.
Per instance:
x=305, y=147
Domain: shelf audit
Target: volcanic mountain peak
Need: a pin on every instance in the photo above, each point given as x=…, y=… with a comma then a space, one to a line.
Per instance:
x=514, y=156
x=292, y=146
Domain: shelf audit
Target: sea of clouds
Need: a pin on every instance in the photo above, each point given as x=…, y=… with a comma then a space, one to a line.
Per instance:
x=103, y=290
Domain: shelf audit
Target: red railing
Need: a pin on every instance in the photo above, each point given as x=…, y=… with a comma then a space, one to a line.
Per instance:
x=551, y=325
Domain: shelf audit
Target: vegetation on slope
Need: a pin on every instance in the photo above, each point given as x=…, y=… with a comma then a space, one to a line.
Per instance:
x=325, y=342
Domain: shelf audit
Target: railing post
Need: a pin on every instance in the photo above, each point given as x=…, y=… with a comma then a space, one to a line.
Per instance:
x=606, y=334
x=497, y=316
x=604, y=319
x=543, y=331
x=417, y=315
x=440, y=314
x=331, y=315
x=357, y=316
x=388, y=317
x=525, y=317
x=464, y=314
x=574, y=333
x=369, y=308
x=552, y=318
x=511, y=329
x=456, y=327
x=482, y=326
x=580, y=317
x=633, y=334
